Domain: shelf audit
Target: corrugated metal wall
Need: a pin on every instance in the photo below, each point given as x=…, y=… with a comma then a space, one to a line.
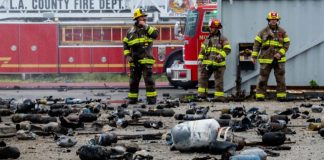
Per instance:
x=302, y=19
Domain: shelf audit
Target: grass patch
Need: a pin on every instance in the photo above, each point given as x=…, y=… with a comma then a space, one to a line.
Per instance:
x=74, y=78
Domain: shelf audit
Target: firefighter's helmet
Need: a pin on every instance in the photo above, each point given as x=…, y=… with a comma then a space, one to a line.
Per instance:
x=215, y=23
x=273, y=15
x=139, y=13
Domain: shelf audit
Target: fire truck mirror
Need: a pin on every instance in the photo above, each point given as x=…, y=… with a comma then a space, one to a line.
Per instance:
x=245, y=56
x=177, y=28
x=161, y=52
x=177, y=31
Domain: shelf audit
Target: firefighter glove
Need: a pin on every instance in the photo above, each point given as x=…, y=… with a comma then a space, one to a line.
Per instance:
x=254, y=59
x=149, y=66
x=143, y=23
x=146, y=27
x=130, y=59
x=277, y=56
x=199, y=63
x=219, y=58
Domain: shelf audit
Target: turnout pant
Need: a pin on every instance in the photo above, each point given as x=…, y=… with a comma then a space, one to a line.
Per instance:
x=205, y=73
x=135, y=77
x=279, y=72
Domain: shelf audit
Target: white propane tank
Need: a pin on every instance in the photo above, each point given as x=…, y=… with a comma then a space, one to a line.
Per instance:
x=194, y=134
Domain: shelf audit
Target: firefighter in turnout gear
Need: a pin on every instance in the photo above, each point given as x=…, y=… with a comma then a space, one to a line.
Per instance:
x=270, y=47
x=212, y=59
x=138, y=51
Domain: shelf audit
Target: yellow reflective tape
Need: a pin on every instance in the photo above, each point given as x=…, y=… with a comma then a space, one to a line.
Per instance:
x=151, y=30
x=283, y=59
x=219, y=94
x=200, y=56
x=254, y=54
x=223, y=54
x=220, y=64
x=126, y=52
x=125, y=40
x=271, y=43
x=216, y=50
x=267, y=61
x=139, y=40
x=286, y=39
x=132, y=95
x=146, y=61
x=213, y=49
x=281, y=95
x=135, y=41
x=258, y=39
x=131, y=64
x=282, y=51
x=203, y=46
x=202, y=90
x=210, y=49
x=259, y=95
x=151, y=94
x=227, y=46
x=207, y=62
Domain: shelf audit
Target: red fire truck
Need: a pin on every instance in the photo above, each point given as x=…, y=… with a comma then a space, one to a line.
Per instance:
x=96, y=46
x=183, y=70
x=79, y=36
x=73, y=47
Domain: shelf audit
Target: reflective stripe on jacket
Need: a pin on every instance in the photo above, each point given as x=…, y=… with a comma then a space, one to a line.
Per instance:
x=214, y=45
x=138, y=44
x=269, y=42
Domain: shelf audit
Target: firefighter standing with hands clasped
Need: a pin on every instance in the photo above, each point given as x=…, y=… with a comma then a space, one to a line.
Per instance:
x=212, y=59
x=270, y=47
x=138, y=50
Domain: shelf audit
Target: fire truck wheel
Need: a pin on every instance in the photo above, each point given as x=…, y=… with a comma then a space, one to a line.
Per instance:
x=177, y=56
x=188, y=85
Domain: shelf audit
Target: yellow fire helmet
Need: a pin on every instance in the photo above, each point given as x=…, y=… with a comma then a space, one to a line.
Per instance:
x=139, y=13
x=273, y=15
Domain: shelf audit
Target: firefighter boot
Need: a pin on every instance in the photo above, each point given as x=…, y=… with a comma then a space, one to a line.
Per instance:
x=282, y=97
x=132, y=101
x=219, y=99
x=151, y=100
x=259, y=96
x=201, y=97
x=260, y=99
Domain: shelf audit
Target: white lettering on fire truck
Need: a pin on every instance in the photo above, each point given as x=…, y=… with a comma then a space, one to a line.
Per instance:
x=58, y=5
x=202, y=37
